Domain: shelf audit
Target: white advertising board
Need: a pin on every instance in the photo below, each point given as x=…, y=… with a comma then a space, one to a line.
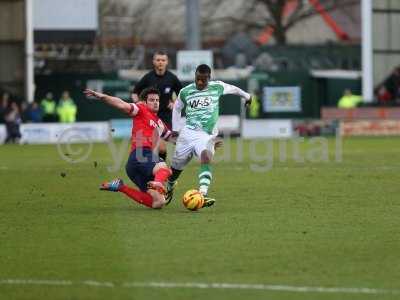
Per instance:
x=227, y=124
x=3, y=134
x=267, y=129
x=188, y=60
x=53, y=133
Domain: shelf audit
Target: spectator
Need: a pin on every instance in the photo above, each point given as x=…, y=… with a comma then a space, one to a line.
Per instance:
x=23, y=111
x=13, y=121
x=66, y=109
x=48, y=106
x=349, y=100
x=392, y=83
x=33, y=113
x=384, y=96
x=254, y=108
x=5, y=98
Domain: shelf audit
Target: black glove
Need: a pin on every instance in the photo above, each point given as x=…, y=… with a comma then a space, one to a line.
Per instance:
x=248, y=102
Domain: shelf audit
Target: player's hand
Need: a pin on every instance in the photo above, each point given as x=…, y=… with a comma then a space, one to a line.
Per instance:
x=171, y=105
x=173, y=137
x=175, y=134
x=90, y=93
x=248, y=102
x=218, y=143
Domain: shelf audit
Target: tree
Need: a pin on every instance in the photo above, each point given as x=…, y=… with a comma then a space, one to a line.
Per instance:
x=281, y=15
x=122, y=19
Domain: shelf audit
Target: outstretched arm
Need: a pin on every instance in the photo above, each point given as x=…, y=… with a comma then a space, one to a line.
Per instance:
x=116, y=102
x=234, y=90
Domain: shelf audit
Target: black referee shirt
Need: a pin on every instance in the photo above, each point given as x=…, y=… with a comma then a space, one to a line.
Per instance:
x=166, y=84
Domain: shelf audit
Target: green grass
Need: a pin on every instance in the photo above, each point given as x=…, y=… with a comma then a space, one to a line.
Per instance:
x=316, y=224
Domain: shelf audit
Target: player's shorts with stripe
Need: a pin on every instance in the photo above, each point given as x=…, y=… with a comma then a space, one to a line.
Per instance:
x=140, y=165
x=191, y=142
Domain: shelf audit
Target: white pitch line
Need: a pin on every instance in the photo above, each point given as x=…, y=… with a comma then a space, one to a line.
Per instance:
x=201, y=285
x=35, y=282
x=284, y=288
x=100, y=284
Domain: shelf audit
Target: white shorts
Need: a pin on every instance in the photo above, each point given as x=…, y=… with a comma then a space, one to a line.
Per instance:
x=191, y=142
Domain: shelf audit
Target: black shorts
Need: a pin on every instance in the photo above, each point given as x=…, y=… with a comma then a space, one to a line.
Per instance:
x=140, y=165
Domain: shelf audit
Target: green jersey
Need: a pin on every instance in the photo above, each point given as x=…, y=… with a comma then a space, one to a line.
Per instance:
x=202, y=106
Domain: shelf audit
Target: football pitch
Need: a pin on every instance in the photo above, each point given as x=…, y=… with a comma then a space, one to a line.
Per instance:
x=285, y=226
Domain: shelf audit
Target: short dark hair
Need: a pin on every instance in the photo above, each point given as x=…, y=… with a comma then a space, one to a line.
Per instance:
x=160, y=52
x=147, y=91
x=203, y=69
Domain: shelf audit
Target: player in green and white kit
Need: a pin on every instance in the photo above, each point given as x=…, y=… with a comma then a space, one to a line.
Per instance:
x=197, y=135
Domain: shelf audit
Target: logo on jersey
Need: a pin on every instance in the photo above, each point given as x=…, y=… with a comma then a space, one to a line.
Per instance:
x=200, y=102
x=159, y=125
x=153, y=124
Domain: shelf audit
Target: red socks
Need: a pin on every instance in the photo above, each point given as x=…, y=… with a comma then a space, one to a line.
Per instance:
x=162, y=175
x=141, y=197
x=138, y=196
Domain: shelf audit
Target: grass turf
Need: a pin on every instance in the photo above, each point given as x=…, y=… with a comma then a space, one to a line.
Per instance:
x=311, y=223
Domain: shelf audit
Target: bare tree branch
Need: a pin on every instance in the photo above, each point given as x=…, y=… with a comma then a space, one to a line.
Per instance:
x=311, y=12
x=237, y=20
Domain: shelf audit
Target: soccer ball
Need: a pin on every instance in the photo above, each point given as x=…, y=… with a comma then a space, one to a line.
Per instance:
x=193, y=200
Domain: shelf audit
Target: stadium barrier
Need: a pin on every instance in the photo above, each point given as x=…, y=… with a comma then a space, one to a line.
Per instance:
x=365, y=121
x=53, y=133
x=227, y=125
x=84, y=132
x=3, y=134
x=370, y=128
x=282, y=128
x=360, y=113
x=92, y=132
x=121, y=128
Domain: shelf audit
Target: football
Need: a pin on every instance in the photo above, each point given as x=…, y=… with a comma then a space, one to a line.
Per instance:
x=193, y=200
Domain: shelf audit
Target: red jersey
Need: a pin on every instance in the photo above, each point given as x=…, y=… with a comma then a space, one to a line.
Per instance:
x=147, y=127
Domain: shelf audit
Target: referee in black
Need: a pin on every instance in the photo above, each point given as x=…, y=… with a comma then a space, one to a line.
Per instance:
x=167, y=83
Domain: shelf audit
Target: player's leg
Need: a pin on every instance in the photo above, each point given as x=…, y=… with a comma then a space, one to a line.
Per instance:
x=148, y=197
x=138, y=196
x=136, y=168
x=182, y=155
x=204, y=150
x=153, y=175
x=205, y=171
x=117, y=185
x=161, y=172
x=139, y=169
x=157, y=198
x=151, y=198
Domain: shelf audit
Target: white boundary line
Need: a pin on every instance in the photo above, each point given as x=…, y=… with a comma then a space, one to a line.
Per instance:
x=200, y=285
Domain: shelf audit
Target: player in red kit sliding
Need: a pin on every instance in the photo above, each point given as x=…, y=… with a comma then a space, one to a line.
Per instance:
x=144, y=167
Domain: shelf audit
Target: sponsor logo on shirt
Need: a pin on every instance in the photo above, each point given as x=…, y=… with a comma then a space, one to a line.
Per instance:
x=159, y=125
x=200, y=102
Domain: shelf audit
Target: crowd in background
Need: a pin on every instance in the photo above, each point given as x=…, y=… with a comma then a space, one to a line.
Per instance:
x=12, y=113
x=388, y=92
